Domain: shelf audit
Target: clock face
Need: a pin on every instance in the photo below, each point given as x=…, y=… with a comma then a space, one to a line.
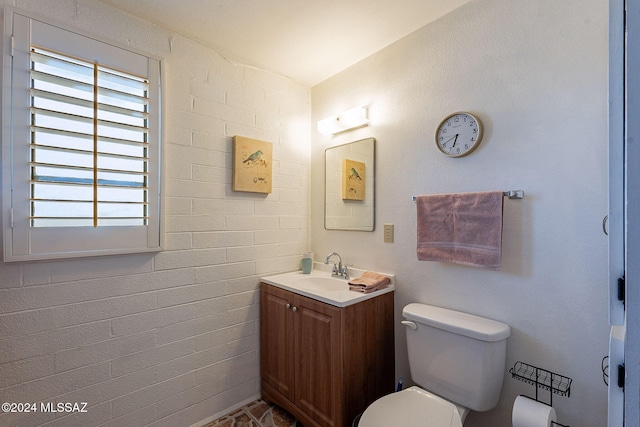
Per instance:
x=459, y=134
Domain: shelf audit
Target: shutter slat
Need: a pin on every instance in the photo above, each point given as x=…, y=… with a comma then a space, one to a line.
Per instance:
x=119, y=171
x=53, y=131
x=88, y=184
x=83, y=119
x=40, y=77
x=79, y=151
x=88, y=201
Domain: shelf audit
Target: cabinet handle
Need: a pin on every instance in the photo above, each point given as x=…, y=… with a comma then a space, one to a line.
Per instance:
x=294, y=309
x=288, y=305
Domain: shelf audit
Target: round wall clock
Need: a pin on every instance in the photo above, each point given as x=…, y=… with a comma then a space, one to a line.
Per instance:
x=459, y=134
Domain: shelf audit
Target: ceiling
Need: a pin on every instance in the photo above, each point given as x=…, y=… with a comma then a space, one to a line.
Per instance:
x=307, y=40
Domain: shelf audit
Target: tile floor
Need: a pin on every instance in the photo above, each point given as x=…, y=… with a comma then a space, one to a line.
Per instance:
x=256, y=414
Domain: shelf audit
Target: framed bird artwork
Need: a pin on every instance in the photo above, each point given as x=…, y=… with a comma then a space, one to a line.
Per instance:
x=252, y=165
x=353, y=176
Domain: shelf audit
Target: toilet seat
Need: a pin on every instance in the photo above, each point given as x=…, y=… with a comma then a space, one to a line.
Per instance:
x=412, y=407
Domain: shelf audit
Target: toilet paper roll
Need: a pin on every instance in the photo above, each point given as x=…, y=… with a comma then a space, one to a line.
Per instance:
x=529, y=413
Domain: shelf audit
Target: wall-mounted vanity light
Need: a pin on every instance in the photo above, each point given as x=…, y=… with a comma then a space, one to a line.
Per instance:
x=348, y=119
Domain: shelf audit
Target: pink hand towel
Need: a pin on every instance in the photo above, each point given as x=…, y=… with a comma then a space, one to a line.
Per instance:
x=464, y=228
x=369, y=282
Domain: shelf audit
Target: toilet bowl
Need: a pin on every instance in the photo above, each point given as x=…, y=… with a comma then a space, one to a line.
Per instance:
x=458, y=362
x=412, y=407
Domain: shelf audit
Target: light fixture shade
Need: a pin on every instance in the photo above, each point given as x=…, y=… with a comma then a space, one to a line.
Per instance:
x=348, y=119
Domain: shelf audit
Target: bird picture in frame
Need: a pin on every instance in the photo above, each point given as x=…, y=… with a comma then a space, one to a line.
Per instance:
x=252, y=165
x=353, y=180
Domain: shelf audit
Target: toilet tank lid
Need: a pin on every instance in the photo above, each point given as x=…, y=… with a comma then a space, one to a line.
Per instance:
x=457, y=322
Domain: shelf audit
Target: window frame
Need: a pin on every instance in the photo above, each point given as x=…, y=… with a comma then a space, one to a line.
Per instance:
x=21, y=241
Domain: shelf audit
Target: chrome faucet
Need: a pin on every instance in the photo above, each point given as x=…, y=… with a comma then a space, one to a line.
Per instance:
x=338, y=269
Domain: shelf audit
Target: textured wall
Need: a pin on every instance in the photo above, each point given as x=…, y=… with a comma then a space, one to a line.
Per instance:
x=169, y=339
x=536, y=75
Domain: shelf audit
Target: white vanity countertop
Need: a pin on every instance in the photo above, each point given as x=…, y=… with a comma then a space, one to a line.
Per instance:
x=336, y=292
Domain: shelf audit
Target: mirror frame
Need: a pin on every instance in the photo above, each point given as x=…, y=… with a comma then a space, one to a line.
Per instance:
x=369, y=191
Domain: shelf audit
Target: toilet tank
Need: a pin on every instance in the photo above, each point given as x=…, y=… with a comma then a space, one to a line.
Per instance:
x=456, y=355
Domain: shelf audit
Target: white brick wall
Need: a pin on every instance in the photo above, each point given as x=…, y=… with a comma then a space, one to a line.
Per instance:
x=167, y=339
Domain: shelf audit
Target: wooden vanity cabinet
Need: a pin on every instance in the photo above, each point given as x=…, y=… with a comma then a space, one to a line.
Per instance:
x=321, y=363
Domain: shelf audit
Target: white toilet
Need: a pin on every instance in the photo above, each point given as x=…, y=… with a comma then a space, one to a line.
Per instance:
x=457, y=358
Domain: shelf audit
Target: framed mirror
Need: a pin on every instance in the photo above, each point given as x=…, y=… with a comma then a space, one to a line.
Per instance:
x=349, y=188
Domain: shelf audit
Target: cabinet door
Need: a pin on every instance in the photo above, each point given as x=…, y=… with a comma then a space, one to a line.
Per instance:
x=276, y=340
x=318, y=361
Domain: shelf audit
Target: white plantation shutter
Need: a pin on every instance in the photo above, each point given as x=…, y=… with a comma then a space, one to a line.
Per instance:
x=84, y=143
x=88, y=144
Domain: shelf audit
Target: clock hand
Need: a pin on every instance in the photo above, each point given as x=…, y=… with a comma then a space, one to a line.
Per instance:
x=454, y=141
x=444, y=143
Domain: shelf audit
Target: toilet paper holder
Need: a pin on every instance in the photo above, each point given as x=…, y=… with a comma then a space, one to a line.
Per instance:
x=542, y=379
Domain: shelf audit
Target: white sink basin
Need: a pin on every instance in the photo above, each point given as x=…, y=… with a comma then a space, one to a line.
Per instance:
x=320, y=283
x=322, y=286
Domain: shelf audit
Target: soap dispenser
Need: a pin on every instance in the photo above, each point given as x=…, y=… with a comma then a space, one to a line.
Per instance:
x=307, y=263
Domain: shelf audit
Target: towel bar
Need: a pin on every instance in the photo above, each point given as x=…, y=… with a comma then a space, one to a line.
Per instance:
x=512, y=194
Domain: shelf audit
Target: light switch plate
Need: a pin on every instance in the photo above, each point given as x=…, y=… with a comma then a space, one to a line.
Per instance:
x=388, y=233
